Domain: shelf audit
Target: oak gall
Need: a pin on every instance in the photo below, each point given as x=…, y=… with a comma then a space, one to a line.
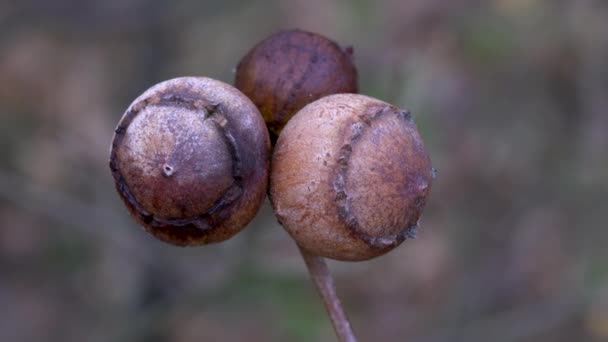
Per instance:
x=290, y=69
x=190, y=160
x=350, y=177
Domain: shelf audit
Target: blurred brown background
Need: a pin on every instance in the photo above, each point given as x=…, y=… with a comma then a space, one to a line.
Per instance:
x=511, y=97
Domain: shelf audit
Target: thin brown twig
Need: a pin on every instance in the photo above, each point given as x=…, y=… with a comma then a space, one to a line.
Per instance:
x=319, y=273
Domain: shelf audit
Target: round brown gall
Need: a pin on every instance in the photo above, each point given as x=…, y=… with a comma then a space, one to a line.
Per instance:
x=190, y=160
x=350, y=177
x=290, y=69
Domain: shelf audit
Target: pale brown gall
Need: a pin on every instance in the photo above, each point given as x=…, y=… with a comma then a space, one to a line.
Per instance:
x=350, y=177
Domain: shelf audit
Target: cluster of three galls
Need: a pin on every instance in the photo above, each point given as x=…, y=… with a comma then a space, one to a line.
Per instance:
x=349, y=174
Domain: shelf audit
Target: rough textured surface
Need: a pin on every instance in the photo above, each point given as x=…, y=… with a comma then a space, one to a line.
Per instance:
x=290, y=69
x=190, y=160
x=350, y=177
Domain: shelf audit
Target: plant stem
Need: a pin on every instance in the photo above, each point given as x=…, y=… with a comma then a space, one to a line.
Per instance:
x=319, y=273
